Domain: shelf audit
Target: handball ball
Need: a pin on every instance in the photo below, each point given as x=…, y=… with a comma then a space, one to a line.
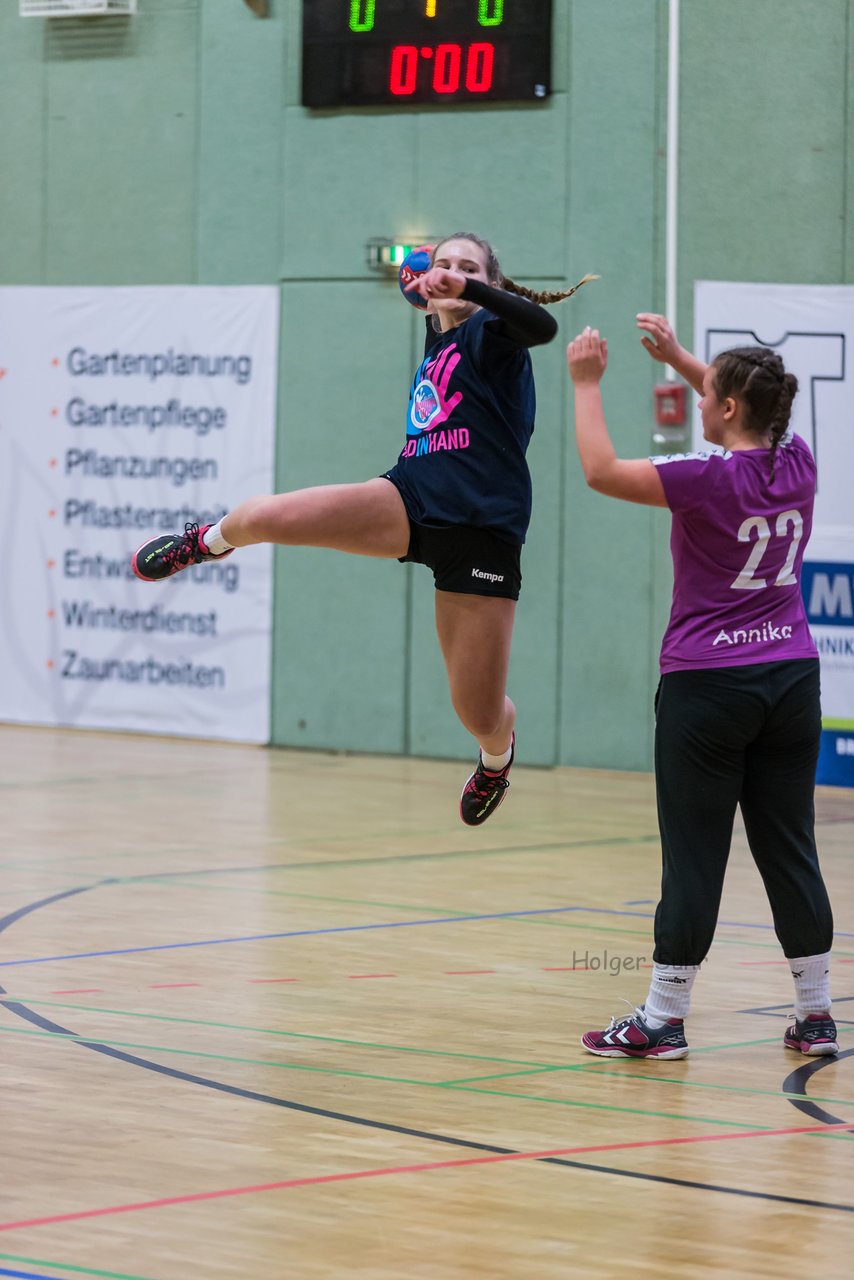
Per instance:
x=416, y=262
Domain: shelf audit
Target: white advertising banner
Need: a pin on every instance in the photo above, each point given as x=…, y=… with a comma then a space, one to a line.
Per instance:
x=126, y=413
x=812, y=328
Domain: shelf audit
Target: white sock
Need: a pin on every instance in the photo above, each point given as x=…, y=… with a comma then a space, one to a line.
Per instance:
x=812, y=984
x=496, y=763
x=215, y=542
x=669, y=993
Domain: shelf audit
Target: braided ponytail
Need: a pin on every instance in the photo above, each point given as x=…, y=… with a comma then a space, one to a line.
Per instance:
x=545, y=296
x=758, y=378
x=780, y=425
x=494, y=272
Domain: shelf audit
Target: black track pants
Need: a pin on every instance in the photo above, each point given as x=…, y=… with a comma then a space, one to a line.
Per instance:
x=723, y=737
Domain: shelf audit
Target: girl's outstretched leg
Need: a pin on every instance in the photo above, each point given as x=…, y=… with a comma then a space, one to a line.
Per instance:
x=366, y=519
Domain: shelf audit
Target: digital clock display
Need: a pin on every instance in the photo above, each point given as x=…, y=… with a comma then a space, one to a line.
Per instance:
x=397, y=53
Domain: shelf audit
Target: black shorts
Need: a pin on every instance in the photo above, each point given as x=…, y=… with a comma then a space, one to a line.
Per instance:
x=475, y=562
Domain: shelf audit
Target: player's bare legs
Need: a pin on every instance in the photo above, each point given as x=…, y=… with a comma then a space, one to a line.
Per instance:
x=474, y=635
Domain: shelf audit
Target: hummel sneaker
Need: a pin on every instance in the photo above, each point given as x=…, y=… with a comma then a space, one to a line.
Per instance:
x=484, y=791
x=815, y=1034
x=633, y=1037
x=171, y=552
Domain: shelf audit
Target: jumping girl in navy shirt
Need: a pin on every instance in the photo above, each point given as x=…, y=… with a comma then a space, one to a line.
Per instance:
x=458, y=499
x=737, y=712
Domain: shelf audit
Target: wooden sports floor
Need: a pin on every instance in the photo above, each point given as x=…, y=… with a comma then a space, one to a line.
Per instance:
x=275, y=1016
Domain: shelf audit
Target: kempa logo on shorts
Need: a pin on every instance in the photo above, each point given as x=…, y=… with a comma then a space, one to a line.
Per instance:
x=489, y=577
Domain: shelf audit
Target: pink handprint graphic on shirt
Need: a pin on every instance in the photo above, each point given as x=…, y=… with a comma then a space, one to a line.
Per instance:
x=431, y=404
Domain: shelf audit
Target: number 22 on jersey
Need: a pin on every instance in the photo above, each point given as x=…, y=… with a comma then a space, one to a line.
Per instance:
x=789, y=524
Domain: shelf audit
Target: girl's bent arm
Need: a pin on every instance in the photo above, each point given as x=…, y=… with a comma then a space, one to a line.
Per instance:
x=525, y=322
x=635, y=479
x=632, y=479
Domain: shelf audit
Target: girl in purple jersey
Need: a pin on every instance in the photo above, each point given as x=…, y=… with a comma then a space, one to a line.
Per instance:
x=737, y=712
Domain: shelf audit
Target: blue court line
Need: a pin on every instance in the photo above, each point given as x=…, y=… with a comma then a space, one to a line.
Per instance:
x=650, y=915
x=296, y=933
x=361, y=928
x=28, y=1275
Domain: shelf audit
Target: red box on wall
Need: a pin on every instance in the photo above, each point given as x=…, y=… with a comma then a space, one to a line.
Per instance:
x=670, y=404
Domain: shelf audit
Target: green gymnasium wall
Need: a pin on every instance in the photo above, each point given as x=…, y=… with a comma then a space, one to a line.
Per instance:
x=170, y=148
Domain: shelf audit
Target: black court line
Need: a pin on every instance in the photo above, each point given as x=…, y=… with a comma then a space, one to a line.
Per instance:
x=36, y=1019
x=14, y=916
x=796, y=1081
x=386, y=1126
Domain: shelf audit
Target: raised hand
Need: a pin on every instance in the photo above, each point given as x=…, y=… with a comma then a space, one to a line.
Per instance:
x=438, y=283
x=587, y=357
x=662, y=344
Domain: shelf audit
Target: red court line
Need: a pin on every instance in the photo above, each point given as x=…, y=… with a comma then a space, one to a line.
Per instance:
x=273, y=979
x=392, y=1170
x=560, y=968
x=79, y=991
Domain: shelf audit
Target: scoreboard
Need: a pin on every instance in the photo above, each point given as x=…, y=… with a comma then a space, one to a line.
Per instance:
x=399, y=53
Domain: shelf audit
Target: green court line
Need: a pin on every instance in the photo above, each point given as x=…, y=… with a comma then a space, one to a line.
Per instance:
x=598, y=1106
x=310, y=842
x=67, y=1266
x=271, y=1031
x=628, y=1074
x=392, y=1048
x=502, y=1075
x=728, y=1088
x=189, y=882
x=365, y=1075
x=186, y=882
x=738, y=1044
x=214, y=1057
x=550, y=846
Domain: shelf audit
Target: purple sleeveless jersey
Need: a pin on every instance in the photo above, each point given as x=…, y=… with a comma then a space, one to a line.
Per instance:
x=737, y=544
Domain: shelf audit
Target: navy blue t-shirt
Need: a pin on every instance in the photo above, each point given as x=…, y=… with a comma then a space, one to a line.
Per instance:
x=469, y=422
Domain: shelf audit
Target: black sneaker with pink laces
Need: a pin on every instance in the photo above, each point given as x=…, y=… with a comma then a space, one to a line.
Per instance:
x=170, y=553
x=484, y=791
